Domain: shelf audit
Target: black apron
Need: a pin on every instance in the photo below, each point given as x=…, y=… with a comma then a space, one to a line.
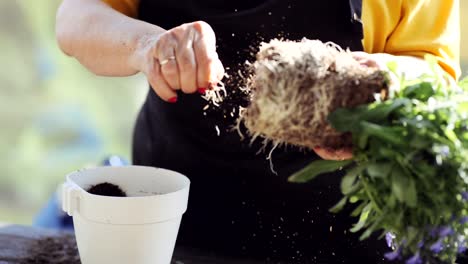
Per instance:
x=237, y=205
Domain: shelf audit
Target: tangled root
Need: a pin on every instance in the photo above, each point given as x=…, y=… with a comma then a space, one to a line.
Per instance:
x=296, y=85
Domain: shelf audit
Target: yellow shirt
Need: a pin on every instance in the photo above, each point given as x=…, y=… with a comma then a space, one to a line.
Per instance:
x=398, y=27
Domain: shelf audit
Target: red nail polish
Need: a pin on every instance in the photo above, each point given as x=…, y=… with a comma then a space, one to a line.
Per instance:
x=172, y=100
x=201, y=90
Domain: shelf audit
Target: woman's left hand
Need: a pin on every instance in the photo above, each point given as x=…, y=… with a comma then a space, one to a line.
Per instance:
x=369, y=60
x=334, y=154
x=376, y=60
x=412, y=67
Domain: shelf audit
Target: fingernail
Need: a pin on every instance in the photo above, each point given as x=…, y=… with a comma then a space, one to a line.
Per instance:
x=201, y=90
x=173, y=100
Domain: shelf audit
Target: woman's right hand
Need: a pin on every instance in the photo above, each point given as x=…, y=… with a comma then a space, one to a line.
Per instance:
x=182, y=58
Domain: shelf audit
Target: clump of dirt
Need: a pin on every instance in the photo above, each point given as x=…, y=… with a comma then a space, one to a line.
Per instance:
x=107, y=189
x=54, y=250
x=296, y=85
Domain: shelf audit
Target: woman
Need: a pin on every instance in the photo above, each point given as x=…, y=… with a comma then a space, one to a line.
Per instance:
x=238, y=206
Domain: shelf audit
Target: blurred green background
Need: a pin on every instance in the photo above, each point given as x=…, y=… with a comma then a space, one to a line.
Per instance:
x=55, y=116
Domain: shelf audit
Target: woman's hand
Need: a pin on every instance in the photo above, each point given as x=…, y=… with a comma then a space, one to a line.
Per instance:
x=183, y=58
x=369, y=60
x=411, y=66
x=334, y=154
x=377, y=60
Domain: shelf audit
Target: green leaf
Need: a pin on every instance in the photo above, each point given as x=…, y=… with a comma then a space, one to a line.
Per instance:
x=388, y=134
x=398, y=184
x=421, y=91
x=362, y=140
x=339, y=206
x=378, y=112
x=369, y=231
x=391, y=202
x=393, y=67
x=463, y=107
x=345, y=119
x=413, y=233
x=379, y=169
x=348, y=186
x=354, y=199
x=464, y=84
x=404, y=187
x=357, y=211
x=450, y=134
x=424, y=170
x=388, y=153
x=362, y=219
x=366, y=234
x=418, y=142
x=464, y=137
x=317, y=168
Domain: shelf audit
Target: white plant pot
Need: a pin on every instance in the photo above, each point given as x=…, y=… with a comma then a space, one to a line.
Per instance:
x=138, y=229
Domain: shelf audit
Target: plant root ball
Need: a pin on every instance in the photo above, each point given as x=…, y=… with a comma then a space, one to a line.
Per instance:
x=296, y=85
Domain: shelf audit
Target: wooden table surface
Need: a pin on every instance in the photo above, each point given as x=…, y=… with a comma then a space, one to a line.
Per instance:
x=28, y=245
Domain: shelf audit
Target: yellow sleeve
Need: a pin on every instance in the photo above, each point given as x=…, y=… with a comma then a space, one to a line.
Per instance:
x=127, y=7
x=414, y=28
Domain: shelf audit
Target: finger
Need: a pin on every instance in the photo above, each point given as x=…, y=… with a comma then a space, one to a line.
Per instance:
x=344, y=154
x=165, y=53
x=327, y=154
x=322, y=153
x=208, y=64
x=218, y=74
x=203, y=62
x=369, y=63
x=365, y=59
x=360, y=55
x=187, y=63
x=159, y=84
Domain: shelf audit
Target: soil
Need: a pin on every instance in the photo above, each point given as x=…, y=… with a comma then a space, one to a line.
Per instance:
x=107, y=189
x=54, y=250
x=296, y=85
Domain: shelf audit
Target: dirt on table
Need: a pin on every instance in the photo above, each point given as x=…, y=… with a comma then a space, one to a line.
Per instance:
x=107, y=189
x=54, y=250
x=29, y=245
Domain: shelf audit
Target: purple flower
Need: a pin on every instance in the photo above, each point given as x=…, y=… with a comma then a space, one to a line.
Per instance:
x=421, y=244
x=414, y=259
x=437, y=246
x=434, y=231
x=461, y=248
x=403, y=242
x=464, y=220
x=444, y=151
x=464, y=196
x=461, y=244
x=393, y=255
x=445, y=231
x=389, y=237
